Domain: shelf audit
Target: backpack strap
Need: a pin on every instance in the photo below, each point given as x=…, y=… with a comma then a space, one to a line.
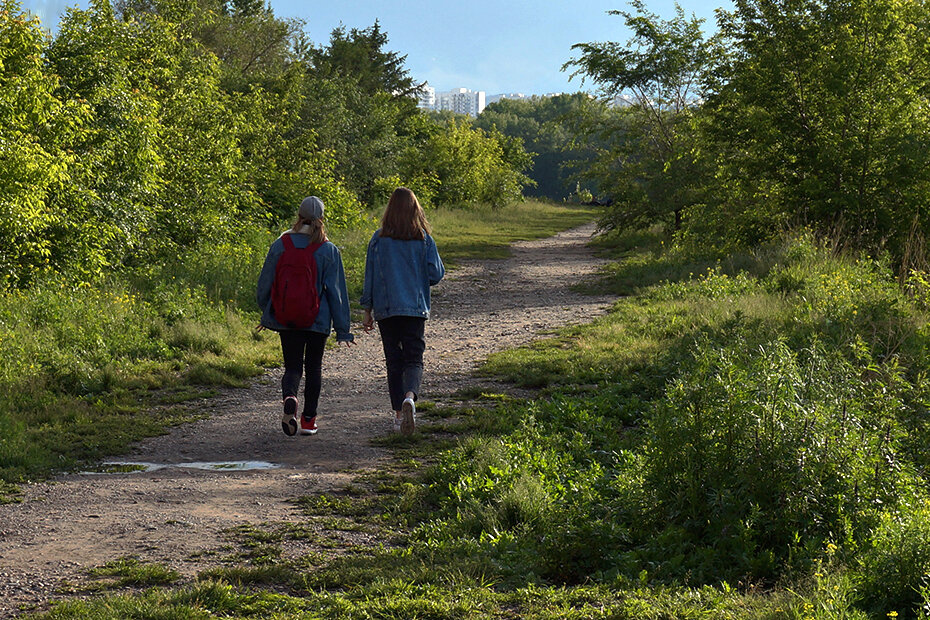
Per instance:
x=287, y=241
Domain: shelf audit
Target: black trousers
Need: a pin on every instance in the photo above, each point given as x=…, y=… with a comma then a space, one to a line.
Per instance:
x=303, y=349
x=402, y=338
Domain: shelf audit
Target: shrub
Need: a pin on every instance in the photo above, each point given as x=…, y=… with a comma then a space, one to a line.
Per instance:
x=895, y=571
x=758, y=451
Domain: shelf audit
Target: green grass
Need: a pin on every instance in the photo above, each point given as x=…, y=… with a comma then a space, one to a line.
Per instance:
x=739, y=438
x=77, y=362
x=484, y=232
x=639, y=484
x=129, y=571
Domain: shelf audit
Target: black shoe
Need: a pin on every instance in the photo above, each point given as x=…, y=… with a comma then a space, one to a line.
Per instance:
x=289, y=420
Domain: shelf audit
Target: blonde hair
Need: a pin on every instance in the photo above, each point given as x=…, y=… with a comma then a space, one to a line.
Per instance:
x=317, y=232
x=403, y=217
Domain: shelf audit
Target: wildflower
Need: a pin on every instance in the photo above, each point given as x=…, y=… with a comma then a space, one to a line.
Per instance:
x=831, y=548
x=892, y=614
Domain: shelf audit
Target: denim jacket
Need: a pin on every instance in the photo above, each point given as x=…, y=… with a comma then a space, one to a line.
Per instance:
x=398, y=274
x=330, y=285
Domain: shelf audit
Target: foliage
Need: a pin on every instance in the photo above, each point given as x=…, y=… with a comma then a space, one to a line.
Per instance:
x=758, y=450
x=158, y=127
x=652, y=168
x=78, y=359
x=764, y=418
x=795, y=113
x=35, y=129
x=361, y=55
x=543, y=125
x=819, y=118
x=894, y=569
x=472, y=165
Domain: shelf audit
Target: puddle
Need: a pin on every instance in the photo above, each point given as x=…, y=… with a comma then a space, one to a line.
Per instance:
x=130, y=467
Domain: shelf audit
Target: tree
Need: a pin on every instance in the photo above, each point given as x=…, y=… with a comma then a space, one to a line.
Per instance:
x=160, y=162
x=821, y=118
x=472, y=165
x=35, y=129
x=360, y=54
x=355, y=99
x=655, y=170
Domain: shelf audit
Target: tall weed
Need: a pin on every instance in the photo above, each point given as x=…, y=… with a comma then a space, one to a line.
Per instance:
x=760, y=453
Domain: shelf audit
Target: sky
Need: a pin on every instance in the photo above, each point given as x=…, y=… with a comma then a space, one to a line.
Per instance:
x=498, y=46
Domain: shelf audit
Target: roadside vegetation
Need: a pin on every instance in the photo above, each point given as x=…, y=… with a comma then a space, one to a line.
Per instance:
x=153, y=151
x=743, y=435
x=78, y=362
x=739, y=438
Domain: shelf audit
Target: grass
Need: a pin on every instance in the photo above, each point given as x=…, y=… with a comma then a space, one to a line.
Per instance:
x=129, y=571
x=487, y=233
x=735, y=439
x=77, y=362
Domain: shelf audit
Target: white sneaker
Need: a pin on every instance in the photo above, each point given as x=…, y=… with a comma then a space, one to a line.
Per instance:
x=408, y=423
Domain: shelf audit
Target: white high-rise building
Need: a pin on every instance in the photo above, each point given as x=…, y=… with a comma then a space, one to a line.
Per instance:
x=496, y=98
x=458, y=100
x=461, y=101
x=426, y=98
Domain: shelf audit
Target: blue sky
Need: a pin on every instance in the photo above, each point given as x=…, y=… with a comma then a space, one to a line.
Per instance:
x=492, y=45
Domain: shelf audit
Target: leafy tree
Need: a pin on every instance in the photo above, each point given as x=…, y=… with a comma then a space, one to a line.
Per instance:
x=360, y=54
x=245, y=8
x=160, y=161
x=35, y=127
x=654, y=173
x=355, y=99
x=820, y=117
x=473, y=166
x=255, y=48
x=100, y=61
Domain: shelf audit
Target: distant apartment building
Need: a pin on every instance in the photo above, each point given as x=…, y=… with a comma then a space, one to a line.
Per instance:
x=426, y=98
x=496, y=98
x=458, y=100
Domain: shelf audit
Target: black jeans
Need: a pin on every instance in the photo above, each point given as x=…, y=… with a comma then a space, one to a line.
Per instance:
x=402, y=338
x=303, y=348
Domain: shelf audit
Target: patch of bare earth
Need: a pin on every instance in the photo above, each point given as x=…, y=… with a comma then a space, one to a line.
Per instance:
x=177, y=516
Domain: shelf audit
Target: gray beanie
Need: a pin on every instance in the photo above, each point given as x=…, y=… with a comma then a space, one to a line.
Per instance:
x=311, y=208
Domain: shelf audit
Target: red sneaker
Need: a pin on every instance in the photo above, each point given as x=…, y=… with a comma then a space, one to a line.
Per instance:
x=308, y=427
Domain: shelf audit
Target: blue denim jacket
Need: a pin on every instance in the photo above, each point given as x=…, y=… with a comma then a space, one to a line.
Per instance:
x=398, y=274
x=330, y=284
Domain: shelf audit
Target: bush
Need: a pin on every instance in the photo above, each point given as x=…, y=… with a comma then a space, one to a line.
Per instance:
x=895, y=571
x=760, y=448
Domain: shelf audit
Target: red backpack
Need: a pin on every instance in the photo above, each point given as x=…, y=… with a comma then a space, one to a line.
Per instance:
x=294, y=297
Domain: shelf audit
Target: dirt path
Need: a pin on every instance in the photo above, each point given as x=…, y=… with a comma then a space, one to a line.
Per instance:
x=176, y=515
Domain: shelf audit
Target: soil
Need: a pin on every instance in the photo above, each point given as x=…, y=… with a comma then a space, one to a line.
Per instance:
x=176, y=516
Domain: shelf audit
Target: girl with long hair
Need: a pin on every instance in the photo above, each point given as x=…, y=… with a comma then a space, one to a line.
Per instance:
x=401, y=265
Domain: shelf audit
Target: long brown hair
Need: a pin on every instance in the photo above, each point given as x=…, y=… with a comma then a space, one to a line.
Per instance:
x=317, y=232
x=404, y=217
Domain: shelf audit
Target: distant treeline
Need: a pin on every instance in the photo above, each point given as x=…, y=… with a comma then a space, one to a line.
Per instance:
x=142, y=128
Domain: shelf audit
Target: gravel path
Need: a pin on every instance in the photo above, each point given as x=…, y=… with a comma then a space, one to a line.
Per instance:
x=175, y=515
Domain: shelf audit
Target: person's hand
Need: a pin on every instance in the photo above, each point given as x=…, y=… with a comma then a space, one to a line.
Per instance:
x=348, y=343
x=368, y=323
